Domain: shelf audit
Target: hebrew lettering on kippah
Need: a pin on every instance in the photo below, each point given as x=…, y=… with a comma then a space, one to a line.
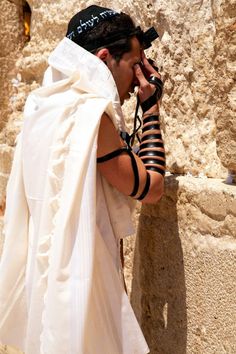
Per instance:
x=83, y=25
x=71, y=35
x=79, y=29
x=107, y=13
x=92, y=22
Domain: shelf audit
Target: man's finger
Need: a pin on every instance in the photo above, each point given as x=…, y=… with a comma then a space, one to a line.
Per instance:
x=149, y=67
x=139, y=75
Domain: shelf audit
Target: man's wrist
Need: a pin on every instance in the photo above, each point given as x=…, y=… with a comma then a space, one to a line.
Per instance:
x=152, y=151
x=154, y=110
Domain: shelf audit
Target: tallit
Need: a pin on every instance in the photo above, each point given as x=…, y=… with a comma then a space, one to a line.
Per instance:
x=60, y=289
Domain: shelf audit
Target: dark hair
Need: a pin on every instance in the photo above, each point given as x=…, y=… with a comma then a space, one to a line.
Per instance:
x=108, y=29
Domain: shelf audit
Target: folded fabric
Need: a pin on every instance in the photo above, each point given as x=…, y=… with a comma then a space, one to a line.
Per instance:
x=60, y=285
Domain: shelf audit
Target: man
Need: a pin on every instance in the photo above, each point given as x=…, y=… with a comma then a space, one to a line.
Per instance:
x=67, y=198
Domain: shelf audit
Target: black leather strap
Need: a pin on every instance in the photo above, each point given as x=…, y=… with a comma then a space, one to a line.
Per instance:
x=149, y=160
x=150, y=141
x=151, y=127
x=158, y=83
x=147, y=104
x=154, y=118
x=151, y=145
x=111, y=155
x=151, y=153
x=126, y=137
x=116, y=153
x=146, y=188
x=151, y=136
x=155, y=169
x=136, y=175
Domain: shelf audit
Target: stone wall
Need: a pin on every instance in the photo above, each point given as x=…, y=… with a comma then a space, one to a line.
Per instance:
x=184, y=276
x=182, y=279
x=11, y=43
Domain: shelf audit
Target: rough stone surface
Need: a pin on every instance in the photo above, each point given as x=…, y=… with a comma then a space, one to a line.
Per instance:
x=225, y=68
x=196, y=54
x=197, y=69
x=11, y=43
x=196, y=60
x=128, y=250
x=184, y=281
x=6, y=349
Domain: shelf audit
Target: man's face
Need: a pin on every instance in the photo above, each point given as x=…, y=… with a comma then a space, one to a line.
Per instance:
x=123, y=71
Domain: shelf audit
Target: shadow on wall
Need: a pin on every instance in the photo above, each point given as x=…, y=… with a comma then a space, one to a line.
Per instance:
x=158, y=289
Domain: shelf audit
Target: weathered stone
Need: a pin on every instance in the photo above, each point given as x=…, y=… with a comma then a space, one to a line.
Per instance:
x=6, y=349
x=225, y=69
x=11, y=43
x=6, y=154
x=128, y=250
x=184, y=279
x=185, y=55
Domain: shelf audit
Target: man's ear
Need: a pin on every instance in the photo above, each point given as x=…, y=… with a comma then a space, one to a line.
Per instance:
x=103, y=54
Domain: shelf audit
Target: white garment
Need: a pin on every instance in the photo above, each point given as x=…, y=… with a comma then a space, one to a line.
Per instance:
x=60, y=289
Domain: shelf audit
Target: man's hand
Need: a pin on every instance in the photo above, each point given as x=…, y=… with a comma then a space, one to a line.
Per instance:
x=146, y=89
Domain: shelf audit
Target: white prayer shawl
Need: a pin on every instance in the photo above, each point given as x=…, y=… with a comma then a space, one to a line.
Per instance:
x=60, y=287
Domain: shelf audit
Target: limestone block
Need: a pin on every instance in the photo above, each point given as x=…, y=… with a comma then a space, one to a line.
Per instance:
x=188, y=59
x=184, y=54
x=11, y=43
x=48, y=26
x=184, y=279
x=225, y=67
x=6, y=153
x=187, y=51
x=128, y=250
x=6, y=349
x=11, y=28
x=5, y=86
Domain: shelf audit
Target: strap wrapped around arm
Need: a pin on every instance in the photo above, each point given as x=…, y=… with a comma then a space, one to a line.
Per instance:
x=116, y=153
x=151, y=153
x=111, y=155
x=151, y=150
x=146, y=187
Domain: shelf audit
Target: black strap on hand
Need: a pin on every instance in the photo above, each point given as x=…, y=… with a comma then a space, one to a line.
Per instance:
x=148, y=103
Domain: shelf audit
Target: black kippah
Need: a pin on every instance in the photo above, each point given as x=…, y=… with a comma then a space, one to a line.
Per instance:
x=87, y=19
